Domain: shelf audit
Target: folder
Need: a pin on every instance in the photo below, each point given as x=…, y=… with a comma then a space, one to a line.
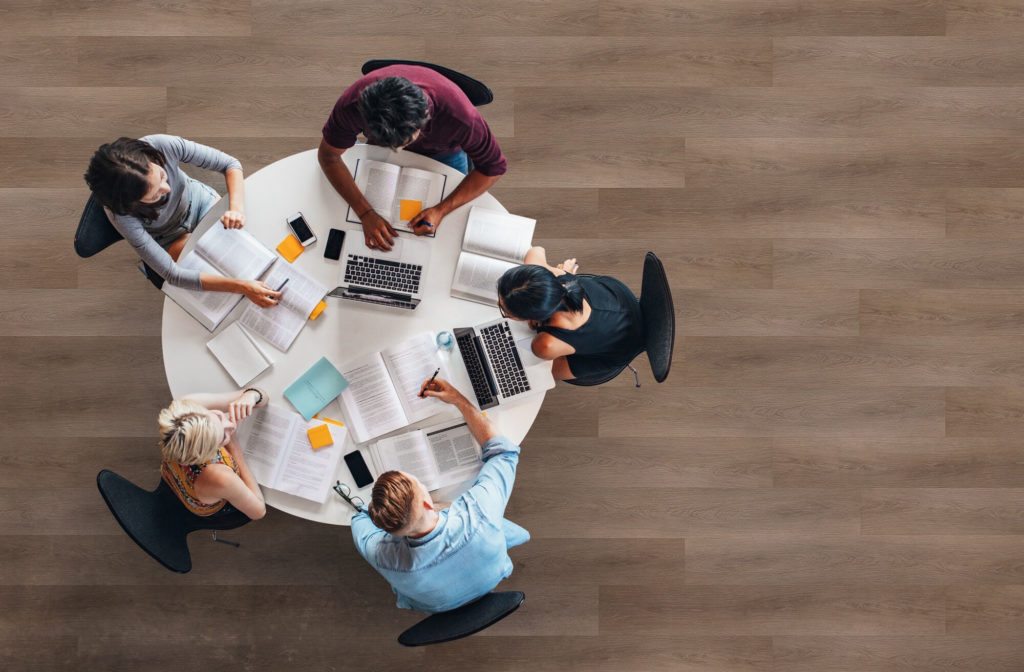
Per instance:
x=316, y=388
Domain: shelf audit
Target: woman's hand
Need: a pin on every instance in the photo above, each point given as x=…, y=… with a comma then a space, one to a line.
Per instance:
x=569, y=265
x=241, y=407
x=233, y=219
x=441, y=389
x=259, y=293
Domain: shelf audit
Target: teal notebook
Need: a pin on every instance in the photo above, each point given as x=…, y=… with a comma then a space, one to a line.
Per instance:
x=316, y=388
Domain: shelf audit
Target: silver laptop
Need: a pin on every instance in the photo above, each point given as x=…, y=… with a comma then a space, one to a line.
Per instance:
x=394, y=278
x=500, y=362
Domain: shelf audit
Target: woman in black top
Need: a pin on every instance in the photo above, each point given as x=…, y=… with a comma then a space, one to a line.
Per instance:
x=588, y=325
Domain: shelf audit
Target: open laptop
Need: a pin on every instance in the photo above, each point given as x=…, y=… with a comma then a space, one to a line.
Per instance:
x=500, y=363
x=394, y=278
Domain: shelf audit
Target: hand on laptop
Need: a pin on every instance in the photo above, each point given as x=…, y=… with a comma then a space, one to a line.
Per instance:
x=427, y=221
x=441, y=389
x=378, y=233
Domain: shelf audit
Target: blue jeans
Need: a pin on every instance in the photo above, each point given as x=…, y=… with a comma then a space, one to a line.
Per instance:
x=457, y=160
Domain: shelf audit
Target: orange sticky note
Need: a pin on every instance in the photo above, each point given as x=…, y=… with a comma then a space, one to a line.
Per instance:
x=409, y=209
x=333, y=422
x=290, y=248
x=319, y=437
x=317, y=310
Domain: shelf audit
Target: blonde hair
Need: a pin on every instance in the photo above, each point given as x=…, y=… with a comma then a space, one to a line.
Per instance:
x=187, y=436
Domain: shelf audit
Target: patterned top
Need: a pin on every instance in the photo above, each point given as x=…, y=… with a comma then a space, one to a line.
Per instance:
x=182, y=479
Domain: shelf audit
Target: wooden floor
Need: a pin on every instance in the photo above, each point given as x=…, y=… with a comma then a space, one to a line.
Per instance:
x=831, y=480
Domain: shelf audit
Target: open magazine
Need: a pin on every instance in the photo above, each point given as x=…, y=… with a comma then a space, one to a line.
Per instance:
x=232, y=253
x=494, y=242
x=441, y=455
x=280, y=324
x=386, y=186
x=384, y=387
x=278, y=451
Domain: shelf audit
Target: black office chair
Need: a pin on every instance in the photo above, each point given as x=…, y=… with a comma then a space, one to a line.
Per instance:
x=157, y=520
x=475, y=90
x=659, y=318
x=464, y=621
x=95, y=233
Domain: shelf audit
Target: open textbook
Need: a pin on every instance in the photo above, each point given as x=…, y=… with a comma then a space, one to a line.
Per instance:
x=384, y=387
x=280, y=324
x=232, y=253
x=278, y=451
x=386, y=186
x=441, y=455
x=494, y=242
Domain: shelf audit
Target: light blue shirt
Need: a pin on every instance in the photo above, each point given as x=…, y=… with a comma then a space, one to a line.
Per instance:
x=465, y=555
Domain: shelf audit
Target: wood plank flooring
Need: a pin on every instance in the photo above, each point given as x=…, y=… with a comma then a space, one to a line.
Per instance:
x=829, y=481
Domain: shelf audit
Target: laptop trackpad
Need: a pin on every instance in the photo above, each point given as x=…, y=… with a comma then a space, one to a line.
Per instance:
x=526, y=352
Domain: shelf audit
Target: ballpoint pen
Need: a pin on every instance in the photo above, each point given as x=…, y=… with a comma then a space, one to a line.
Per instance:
x=436, y=371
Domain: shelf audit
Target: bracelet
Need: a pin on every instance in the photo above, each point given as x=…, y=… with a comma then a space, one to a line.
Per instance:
x=253, y=389
x=366, y=212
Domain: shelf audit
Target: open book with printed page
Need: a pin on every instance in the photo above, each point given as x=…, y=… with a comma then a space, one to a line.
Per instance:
x=494, y=242
x=279, y=325
x=440, y=455
x=397, y=193
x=384, y=387
x=278, y=451
x=232, y=253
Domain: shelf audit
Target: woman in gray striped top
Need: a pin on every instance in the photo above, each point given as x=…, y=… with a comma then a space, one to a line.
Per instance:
x=155, y=205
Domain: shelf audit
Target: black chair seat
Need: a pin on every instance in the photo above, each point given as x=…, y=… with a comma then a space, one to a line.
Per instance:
x=157, y=520
x=463, y=621
x=475, y=90
x=659, y=317
x=95, y=233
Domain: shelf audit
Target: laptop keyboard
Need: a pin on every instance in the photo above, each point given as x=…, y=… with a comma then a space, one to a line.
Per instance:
x=475, y=368
x=507, y=367
x=383, y=274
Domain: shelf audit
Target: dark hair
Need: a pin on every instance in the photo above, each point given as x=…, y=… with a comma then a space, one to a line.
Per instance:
x=535, y=293
x=394, y=109
x=391, y=501
x=118, y=176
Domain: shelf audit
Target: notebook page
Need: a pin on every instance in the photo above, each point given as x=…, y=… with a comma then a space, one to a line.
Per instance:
x=370, y=402
x=498, y=234
x=239, y=356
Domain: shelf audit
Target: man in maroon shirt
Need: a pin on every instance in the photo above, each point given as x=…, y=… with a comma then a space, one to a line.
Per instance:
x=415, y=108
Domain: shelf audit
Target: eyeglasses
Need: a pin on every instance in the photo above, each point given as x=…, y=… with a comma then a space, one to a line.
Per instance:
x=345, y=493
x=504, y=313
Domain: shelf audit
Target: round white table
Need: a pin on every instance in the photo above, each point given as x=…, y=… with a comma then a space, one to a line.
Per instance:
x=346, y=329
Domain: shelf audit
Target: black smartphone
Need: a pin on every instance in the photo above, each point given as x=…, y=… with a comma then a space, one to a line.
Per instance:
x=297, y=223
x=334, y=240
x=357, y=466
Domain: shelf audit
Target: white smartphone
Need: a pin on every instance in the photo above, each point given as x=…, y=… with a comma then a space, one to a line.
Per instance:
x=297, y=223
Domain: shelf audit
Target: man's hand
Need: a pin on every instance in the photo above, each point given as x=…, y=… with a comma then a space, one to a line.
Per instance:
x=441, y=389
x=427, y=221
x=378, y=234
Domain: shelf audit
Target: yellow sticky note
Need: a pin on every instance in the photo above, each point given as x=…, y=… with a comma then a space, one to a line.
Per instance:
x=319, y=437
x=290, y=248
x=409, y=209
x=317, y=310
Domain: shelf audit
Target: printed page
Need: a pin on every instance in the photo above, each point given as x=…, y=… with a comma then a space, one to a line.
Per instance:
x=377, y=181
x=416, y=185
x=410, y=363
x=370, y=402
x=456, y=453
x=265, y=436
x=235, y=252
x=498, y=234
x=277, y=325
x=476, y=277
x=409, y=453
x=302, y=292
x=309, y=473
x=209, y=308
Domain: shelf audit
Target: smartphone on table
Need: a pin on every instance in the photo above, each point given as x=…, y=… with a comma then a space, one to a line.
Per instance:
x=335, y=239
x=357, y=466
x=297, y=223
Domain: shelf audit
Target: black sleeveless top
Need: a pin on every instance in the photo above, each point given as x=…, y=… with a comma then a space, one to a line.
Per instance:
x=613, y=334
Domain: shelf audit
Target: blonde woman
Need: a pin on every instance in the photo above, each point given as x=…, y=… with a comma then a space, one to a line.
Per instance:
x=203, y=462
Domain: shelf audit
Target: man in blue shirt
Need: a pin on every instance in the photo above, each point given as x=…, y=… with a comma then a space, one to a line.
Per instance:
x=439, y=559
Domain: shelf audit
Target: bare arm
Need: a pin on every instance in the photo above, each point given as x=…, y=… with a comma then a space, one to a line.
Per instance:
x=471, y=186
x=482, y=428
x=261, y=294
x=234, y=218
x=223, y=401
x=218, y=481
x=376, y=230
x=538, y=256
